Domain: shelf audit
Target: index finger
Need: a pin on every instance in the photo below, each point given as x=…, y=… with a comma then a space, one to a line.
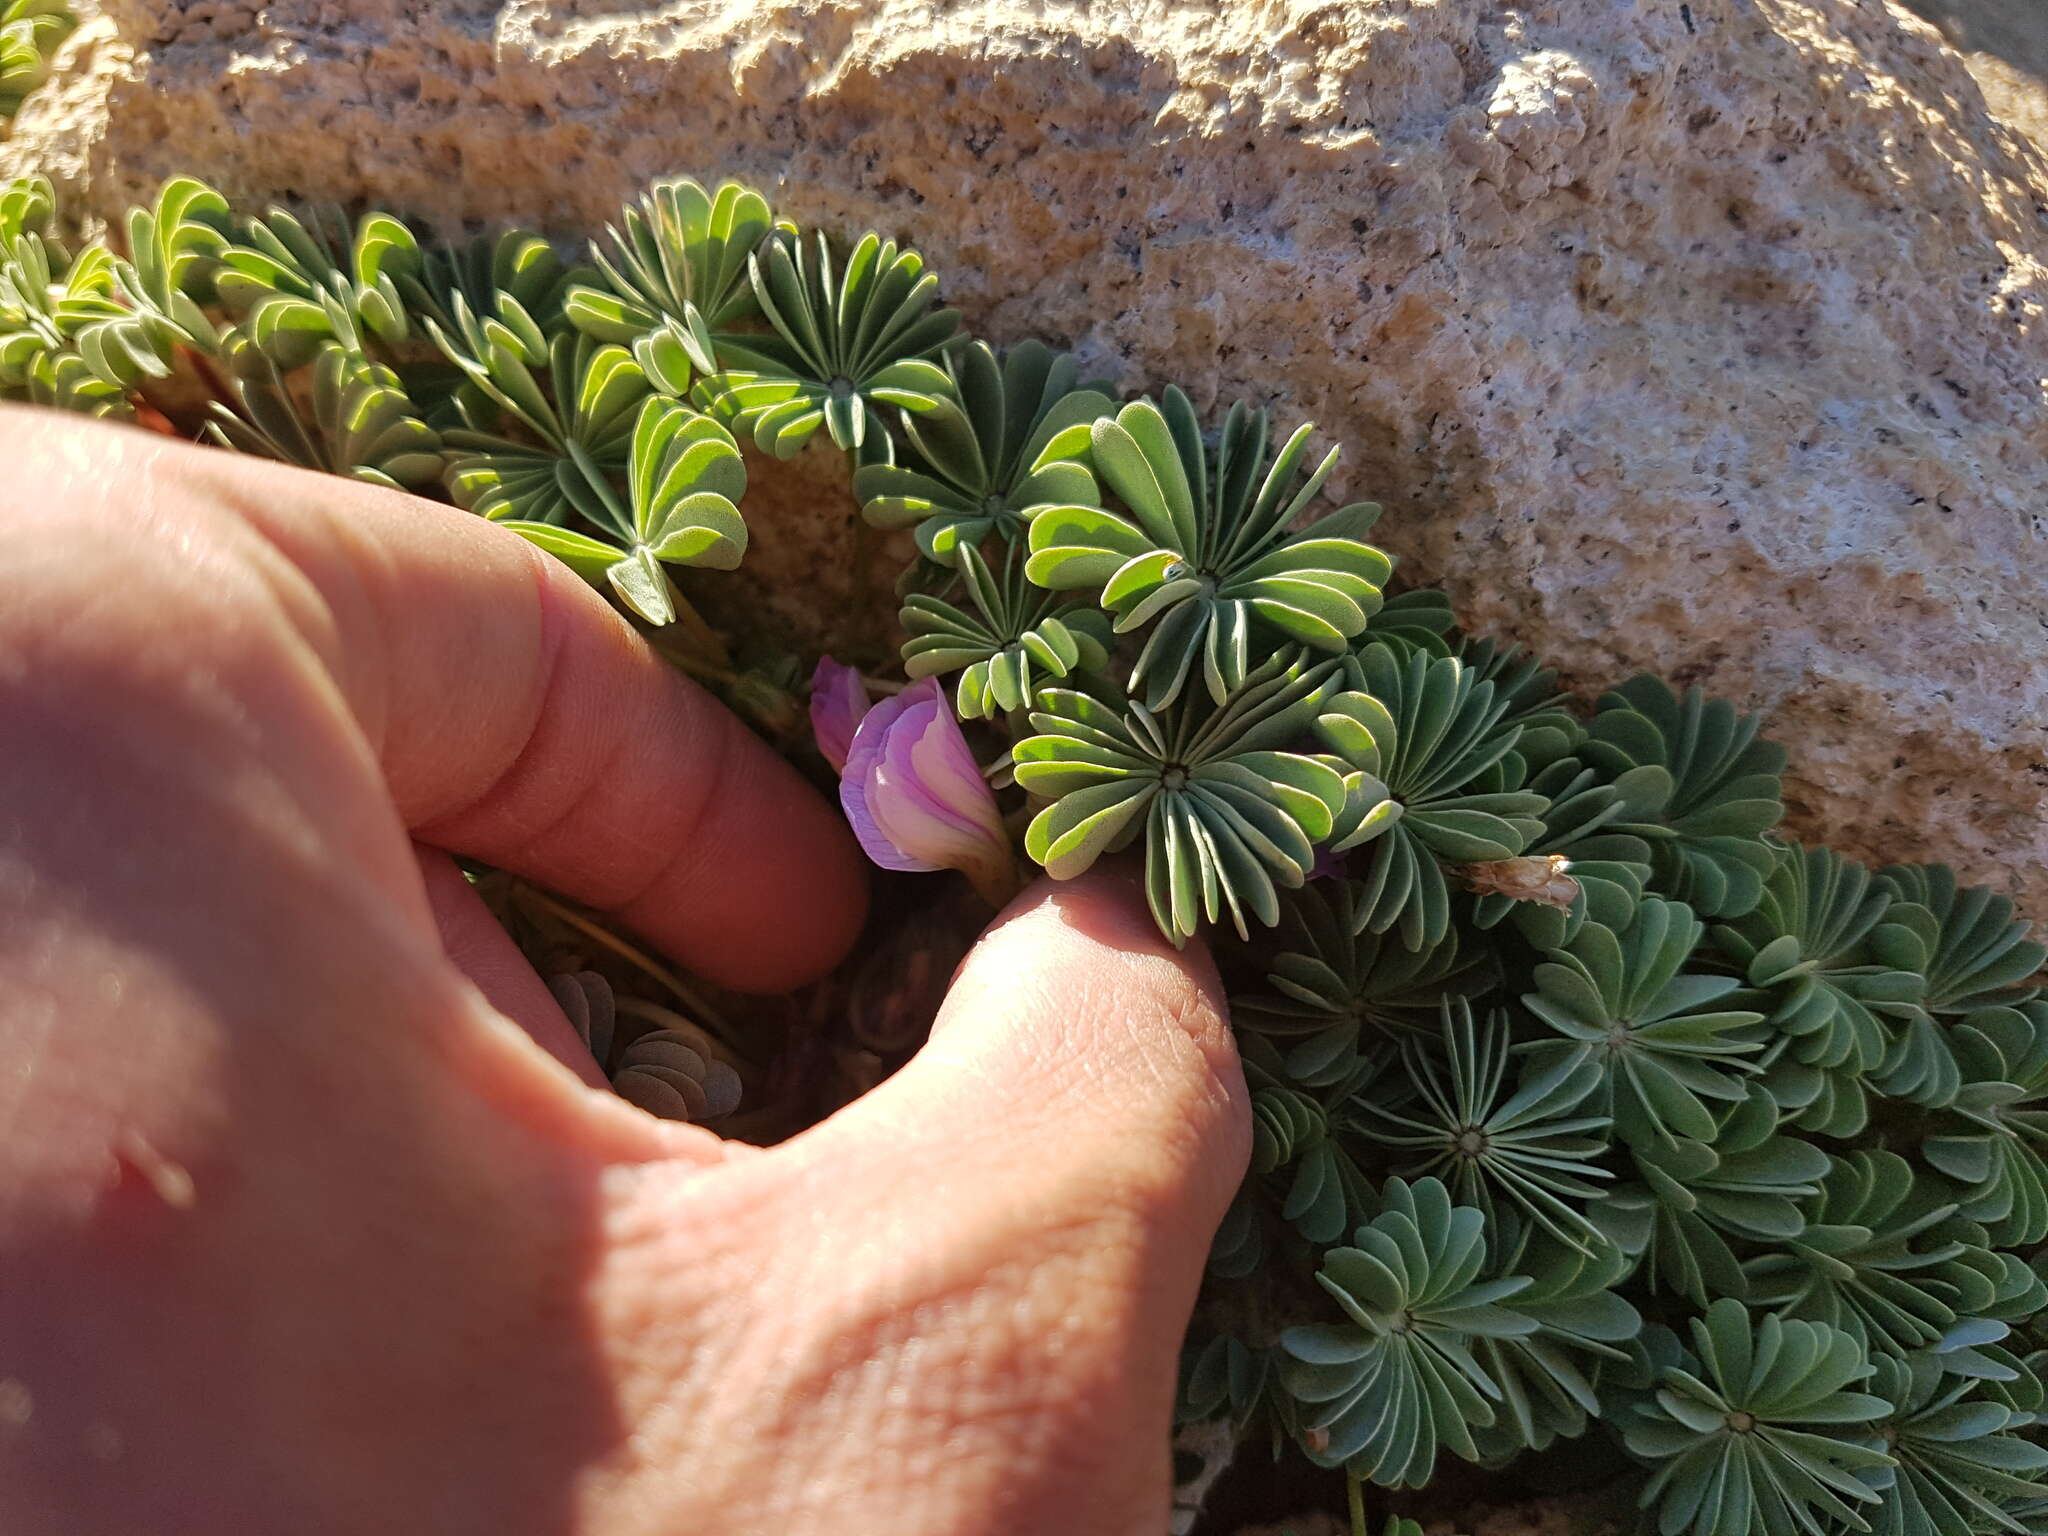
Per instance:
x=519, y=720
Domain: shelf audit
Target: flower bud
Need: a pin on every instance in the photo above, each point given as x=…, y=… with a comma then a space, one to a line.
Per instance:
x=838, y=700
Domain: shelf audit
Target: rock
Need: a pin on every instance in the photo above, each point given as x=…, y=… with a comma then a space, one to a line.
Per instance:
x=1704, y=338
x=2006, y=48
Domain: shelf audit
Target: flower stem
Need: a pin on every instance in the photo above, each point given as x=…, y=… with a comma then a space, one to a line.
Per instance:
x=997, y=887
x=1354, y=1492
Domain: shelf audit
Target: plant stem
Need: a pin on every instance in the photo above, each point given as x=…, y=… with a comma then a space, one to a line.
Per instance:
x=1354, y=1492
x=997, y=887
x=690, y=999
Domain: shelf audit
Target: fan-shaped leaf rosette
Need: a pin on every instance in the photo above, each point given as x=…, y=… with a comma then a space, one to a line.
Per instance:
x=1419, y=619
x=163, y=287
x=30, y=31
x=27, y=204
x=1666, y=1041
x=1419, y=738
x=1382, y=1393
x=534, y=452
x=298, y=285
x=1550, y=727
x=1962, y=1462
x=685, y=478
x=1328, y=1192
x=1745, y=1183
x=1227, y=813
x=1548, y=1378
x=1871, y=1259
x=1229, y=1379
x=1334, y=993
x=676, y=279
x=1811, y=944
x=1526, y=1147
x=1006, y=641
x=1702, y=786
x=1761, y=1432
x=1207, y=555
x=842, y=342
x=514, y=279
x=1607, y=870
x=1968, y=944
x=1996, y=1131
x=49, y=302
x=1010, y=439
x=357, y=421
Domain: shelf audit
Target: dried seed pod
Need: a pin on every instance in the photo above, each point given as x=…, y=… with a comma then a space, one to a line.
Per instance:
x=1536, y=877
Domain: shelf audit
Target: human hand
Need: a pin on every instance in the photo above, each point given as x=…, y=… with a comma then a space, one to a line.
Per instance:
x=300, y=1233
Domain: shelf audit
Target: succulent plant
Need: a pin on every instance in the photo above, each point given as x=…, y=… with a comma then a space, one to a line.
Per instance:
x=297, y=285
x=1962, y=1462
x=1419, y=618
x=1702, y=787
x=1534, y=700
x=1336, y=993
x=30, y=31
x=1997, y=1136
x=842, y=340
x=1207, y=553
x=1009, y=636
x=1327, y=1191
x=1699, y=1201
x=1498, y=1145
x=1548, y=1378
x=1395, y=1383
x=982, y=459
x=1421, y=738
x=671, y=1073
x=1870, y=1258
x=676, y=277
x=1606, y=872
x=1760, y=1430
x=1518, y=1114
x=1812, y=944
x=1228, y=816
x=358, y=420
x=1973, y=952
x=1665, y=1039
x=165, y=287
x=48, y=300
x=684, y=481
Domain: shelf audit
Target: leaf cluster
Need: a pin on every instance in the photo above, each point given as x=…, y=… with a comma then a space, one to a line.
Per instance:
x=1587, y=1108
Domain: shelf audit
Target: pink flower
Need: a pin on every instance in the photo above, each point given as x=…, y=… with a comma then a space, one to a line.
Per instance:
x=838, y=699
x=916, y=796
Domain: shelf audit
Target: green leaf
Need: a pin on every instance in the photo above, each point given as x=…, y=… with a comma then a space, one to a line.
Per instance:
x=1227, y=819
x=1720, y=793
x=839, y=345
x=1205, y=554
x=1759, y=1431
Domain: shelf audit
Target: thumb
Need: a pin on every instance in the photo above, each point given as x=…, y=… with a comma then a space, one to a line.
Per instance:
x=991, y=1258
x=1079, y=1061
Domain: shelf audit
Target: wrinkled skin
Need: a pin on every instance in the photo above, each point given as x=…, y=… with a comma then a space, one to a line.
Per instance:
x=307, y=1223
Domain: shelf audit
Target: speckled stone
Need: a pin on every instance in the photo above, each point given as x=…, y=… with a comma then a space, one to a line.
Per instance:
x=1704, y=338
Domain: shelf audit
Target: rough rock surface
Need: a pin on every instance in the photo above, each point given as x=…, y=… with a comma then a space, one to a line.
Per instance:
x=1706, y=337
x=2005, y=44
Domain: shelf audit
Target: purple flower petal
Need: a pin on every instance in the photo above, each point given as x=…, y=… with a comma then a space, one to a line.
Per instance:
x=914, y=794
x=838, y=701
